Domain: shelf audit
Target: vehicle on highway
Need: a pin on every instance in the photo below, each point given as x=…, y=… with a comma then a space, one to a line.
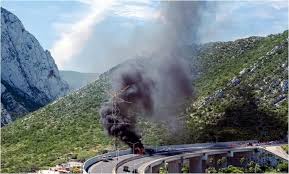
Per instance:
x=126, y=169
x=150, y=151
x=109, y=157
x=104, y=158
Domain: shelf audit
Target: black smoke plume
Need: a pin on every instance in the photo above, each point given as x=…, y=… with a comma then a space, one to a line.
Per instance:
x=118, y=115
x=157, y=85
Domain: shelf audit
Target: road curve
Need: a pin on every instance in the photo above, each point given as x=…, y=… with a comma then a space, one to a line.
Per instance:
x=106, y=167
x=135, y=164
x=138, y=162
x=274, y=149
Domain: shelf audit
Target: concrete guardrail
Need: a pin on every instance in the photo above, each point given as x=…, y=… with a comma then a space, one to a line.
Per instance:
x=98, y=158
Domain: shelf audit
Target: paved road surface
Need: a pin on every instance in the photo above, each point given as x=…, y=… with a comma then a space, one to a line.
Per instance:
x=277, y=150
x=106, y=167
x=135, y=164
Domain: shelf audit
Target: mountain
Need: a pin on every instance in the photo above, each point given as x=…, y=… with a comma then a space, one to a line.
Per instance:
x=77, y=80
x=241, y=93
x=29, y=76
x=242, y=90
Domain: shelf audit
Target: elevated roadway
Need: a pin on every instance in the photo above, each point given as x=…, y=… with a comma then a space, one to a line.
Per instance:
x=106, y=167
x=146, y=163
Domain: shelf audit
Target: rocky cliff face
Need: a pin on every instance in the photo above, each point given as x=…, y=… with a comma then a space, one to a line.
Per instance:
x=29, y=76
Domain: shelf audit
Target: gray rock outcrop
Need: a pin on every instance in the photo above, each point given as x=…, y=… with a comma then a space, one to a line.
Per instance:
x=29, y=76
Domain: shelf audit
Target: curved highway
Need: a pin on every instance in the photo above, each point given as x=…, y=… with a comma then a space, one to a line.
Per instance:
x=140, y=163
x=135, y=164
x=107, y=166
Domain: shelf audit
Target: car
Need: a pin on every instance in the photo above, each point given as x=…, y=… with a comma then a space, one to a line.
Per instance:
x=109, y=157
x=126, y=169
x=150, y=151
x=104, y=158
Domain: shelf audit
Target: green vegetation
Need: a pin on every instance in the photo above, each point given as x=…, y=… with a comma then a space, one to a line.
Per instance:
x=244, y=108
x=285, y=148
x=185, y=169
x=163, y=170
x=231, y=169
x=50, y=135
x=282, y=167
x=252, y=167
x=70, y=127
x=222, y=161
x=242, y=160
x=212, y=170
x=221, y=61
x=76, y=169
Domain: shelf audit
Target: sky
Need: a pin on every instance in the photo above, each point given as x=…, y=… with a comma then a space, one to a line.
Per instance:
x=94, y=35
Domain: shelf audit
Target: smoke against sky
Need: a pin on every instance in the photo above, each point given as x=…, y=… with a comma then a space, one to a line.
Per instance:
x=156, y=87
x=167, y=28
x=89, y=44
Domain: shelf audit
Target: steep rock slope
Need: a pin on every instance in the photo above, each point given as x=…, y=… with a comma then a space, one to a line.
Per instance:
x=71, y=124
x=29, y=77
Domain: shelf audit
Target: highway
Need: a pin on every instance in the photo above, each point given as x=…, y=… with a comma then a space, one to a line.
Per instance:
x=135, y=164
x=106, y=167
x=139, y=162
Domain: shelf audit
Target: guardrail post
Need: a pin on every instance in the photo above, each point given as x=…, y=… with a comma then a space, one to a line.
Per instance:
x=230, y=154
x=205, y=157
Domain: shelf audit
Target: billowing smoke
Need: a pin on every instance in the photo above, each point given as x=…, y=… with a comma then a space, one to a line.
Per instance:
x=157, y=85
x=181, y=20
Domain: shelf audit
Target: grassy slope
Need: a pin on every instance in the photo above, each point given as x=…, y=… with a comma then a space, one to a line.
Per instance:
x=71, y=124
x=47, y=136
x=222, y=61
x=233, y=117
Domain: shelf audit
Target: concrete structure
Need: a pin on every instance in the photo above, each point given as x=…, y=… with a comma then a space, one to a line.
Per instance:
x=199, y=161
x=195, y=164
x=198, y=157
x=174, y=166
x=235, y=160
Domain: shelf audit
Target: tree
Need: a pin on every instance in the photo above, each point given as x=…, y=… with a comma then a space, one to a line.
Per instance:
x=76, y=169
x=282, y=167
x=211, y=170
x=185, y=169
x=162, y=170
x=253, y=168
x=242, y=160
x=222, y=161
x=231, y=169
